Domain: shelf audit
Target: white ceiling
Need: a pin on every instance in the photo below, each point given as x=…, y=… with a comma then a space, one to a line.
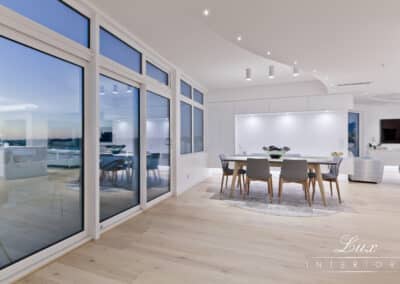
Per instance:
x=346, y=41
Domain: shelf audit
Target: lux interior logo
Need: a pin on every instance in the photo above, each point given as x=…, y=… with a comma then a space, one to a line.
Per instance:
x=354, y=255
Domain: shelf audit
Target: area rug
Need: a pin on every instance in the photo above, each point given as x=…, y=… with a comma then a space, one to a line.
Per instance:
x=293, y=202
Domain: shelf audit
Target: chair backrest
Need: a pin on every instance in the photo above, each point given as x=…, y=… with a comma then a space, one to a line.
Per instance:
x=334, y=169
x=224, y=164
x=153, y=161
x=294, y=170
x=258, y=169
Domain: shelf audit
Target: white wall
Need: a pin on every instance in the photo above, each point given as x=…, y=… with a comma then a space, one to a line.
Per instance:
x=192, y=169
x=223, y=105
x=306, y=133
x=370, y=116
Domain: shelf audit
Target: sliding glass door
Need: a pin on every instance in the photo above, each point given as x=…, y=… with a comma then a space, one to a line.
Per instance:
x=158, y=145
x=41, y=117
x=119, y=147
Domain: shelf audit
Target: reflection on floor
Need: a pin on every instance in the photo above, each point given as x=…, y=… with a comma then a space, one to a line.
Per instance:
x=37, y=212
x=115, y=197
x=158, y=183
x=198, y=239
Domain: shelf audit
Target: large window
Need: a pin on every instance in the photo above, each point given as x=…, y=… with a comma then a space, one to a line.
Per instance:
x=186, y=89
x=117, y=50
x=158, y=146
x=55, y=15
x=41, y=117
x=198, y=130
x=156, y=73
x=119, y=147
x=186, y=128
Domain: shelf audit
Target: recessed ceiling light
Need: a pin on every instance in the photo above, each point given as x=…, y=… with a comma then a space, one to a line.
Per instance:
x=295, y=62
x=268, y=53
x=315, y=71
x=206, y=12
x=239, y=38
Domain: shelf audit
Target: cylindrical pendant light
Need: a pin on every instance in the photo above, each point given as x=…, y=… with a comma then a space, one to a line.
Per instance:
x=271, y=72
x=248, y=74
x=115, y=90
x=296, y=71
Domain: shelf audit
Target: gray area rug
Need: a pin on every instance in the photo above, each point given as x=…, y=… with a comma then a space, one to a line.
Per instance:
x=293, y=202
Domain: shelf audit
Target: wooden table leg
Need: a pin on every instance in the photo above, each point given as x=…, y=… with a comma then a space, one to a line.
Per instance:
x=318, y=173
x=236, y=169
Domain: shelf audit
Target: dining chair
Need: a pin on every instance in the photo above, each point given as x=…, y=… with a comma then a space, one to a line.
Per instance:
x=227, y=172
x=259, y=170
x=331, y=177
x=295, y=171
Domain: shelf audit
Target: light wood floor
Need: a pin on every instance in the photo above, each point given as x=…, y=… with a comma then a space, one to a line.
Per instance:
x=198, y=239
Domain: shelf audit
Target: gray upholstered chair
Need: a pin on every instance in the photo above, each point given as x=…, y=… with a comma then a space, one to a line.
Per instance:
x=227, y=172
x=259, y=170
x=331, y=177
x=295, y=171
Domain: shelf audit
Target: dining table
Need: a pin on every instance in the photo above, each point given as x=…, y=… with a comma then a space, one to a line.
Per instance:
x=314, y=163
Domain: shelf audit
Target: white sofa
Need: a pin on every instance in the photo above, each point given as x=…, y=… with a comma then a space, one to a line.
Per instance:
x=17, y=162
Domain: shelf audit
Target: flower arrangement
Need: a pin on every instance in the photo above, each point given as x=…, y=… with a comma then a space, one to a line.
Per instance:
x=276, y=152
x=337, y=154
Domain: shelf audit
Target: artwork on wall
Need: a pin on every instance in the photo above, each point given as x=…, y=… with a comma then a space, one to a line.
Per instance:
x=354, y=133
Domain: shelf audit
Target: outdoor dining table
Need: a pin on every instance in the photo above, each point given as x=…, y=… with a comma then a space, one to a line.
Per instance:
x=314, y=163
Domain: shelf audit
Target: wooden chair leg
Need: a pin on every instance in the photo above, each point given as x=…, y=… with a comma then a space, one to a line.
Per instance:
x=222, y=182
x=338, y=191
x=272, y=187
x=240, y=183
x=330, y=184
x=307, y=186
x=247, y=186
x=280, y=190
x=226, y=181
x=270, y=190
x=313, y=181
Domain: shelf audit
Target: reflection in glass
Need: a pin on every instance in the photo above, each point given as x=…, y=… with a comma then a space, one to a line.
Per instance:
x=54, y=15
x=119, y=147
x=186, y=89
x=156, y=73
x=198, y=121
x=158, y=146
x=198, y=96
x=40, y=151
x=186, y=128
x=117, y=50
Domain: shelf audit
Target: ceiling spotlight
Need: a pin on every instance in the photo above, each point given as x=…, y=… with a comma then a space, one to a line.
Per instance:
x=271, y=72
x=115, y=90
x=295, y=71
x=239, y=38
x=268, y=53
x=206, y=12
x=295, y=62
x=315, y=71
x=248, y=74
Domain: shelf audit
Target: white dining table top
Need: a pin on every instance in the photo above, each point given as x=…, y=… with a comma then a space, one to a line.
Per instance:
x=310, y=160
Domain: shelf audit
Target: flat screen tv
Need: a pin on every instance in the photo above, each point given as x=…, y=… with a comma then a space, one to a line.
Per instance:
x=390, y=131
